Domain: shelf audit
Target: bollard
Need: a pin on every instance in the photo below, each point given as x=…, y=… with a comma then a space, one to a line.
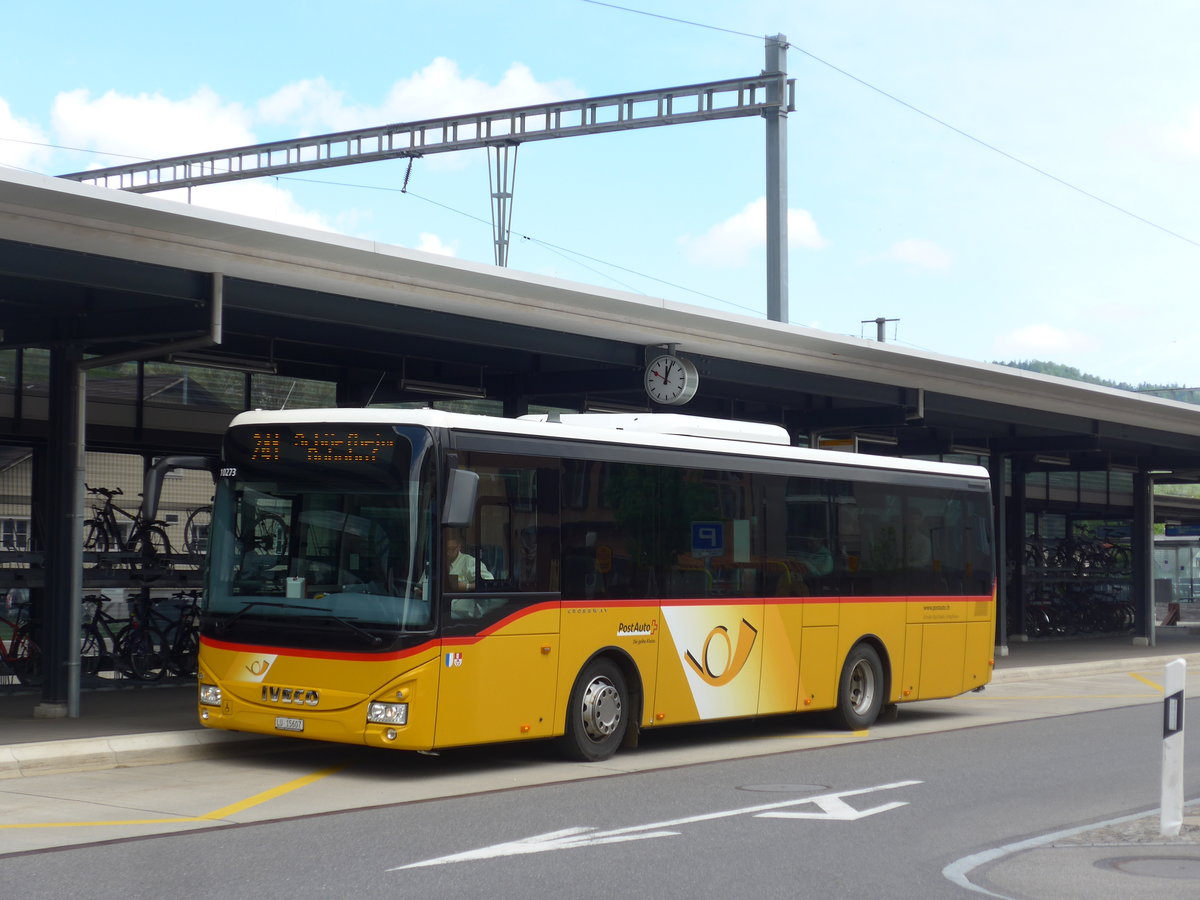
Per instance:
x=1171, y=814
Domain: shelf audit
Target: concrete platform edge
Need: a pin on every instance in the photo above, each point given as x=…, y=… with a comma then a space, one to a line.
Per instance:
x=127, y=750
x=1094, y=667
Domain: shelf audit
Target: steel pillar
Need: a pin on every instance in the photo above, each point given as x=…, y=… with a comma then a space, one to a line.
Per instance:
x=777, y=236
x=1143, y=558
x=60, y=615
x=1000, y=531
x=502, y=176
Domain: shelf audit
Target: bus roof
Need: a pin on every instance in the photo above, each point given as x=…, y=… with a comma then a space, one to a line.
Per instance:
x=645, y=430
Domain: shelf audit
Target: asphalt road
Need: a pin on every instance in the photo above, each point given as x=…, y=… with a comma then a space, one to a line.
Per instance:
x=776, y=808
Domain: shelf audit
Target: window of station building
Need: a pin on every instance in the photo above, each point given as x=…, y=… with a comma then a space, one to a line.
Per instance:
x=173, y=385
x=8, y=371
x=14, y=534
x=35, y=371
x=285, y=392
x=116, y=383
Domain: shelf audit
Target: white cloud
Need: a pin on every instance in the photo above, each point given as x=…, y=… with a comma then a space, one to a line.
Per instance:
x=440, y=89
x=729, y=243
x=150, y=126
x=919, y=253
x=260, y=198
x=1041, y=341
x=431, y=243
x=19, y=141
x=1185, y=138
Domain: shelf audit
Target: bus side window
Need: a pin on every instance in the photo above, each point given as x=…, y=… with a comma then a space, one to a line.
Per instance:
x=511, y=544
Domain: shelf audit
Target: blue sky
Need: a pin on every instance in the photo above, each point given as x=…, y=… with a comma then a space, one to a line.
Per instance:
x=894, y=214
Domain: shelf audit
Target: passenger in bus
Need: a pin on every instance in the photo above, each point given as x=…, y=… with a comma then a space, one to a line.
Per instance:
x=918, y=550
x=814, y=556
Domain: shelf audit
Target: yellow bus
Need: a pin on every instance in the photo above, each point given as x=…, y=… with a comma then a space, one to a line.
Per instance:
x=417, y=579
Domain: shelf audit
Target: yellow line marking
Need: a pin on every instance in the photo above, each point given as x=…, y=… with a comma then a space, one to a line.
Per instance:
x=271, y=794
x=1157, y=687
x=213, y=816
x=1071, y=697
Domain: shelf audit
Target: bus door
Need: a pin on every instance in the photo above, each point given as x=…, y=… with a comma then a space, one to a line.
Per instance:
x=499, y=607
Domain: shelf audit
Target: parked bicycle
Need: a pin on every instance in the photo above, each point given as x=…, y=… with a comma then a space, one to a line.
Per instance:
x=124, y=646
x=196, y=533
x=181, y=632
x=113, y=529
x=20, y=655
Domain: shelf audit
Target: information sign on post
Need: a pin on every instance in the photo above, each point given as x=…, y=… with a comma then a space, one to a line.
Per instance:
x=1171, y=815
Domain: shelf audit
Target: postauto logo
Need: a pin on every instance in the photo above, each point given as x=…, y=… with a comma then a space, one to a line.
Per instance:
x=633, y=629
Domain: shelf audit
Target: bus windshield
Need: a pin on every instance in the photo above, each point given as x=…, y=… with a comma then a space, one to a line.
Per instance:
x=322, y=539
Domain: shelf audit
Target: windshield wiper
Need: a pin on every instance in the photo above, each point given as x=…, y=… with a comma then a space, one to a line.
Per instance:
x=224, y=626
x=375, y=639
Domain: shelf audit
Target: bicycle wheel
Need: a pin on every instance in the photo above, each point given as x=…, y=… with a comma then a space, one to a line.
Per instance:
x=25, y=656
x=99, y=542
x=195, y=534
x=141, y=650
x=92, y=652
x=183, y=649
x=270, y=537
x=154, y=552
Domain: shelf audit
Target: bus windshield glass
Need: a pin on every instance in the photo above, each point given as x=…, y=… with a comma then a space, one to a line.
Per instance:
x=321, y=536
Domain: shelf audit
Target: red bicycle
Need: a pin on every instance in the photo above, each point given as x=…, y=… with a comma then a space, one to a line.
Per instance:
x=20, y=655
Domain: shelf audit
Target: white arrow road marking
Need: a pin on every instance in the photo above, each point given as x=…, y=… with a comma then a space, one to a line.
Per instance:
x=554, y=840
x=833, y=807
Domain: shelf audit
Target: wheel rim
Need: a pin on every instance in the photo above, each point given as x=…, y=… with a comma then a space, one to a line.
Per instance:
x=862, y=687
x=601, y=708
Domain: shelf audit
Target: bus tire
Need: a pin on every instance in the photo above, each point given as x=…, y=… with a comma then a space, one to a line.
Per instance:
x=860, y=689
x=597, y=714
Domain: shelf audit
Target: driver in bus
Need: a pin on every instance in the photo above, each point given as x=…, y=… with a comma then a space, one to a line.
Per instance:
x=461, y=567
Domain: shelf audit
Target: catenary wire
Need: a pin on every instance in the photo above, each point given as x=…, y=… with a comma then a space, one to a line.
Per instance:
x=916, y=109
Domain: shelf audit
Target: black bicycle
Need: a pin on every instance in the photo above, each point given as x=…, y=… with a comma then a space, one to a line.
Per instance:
x=124, y=646
x=181, y=632
x=111, y=529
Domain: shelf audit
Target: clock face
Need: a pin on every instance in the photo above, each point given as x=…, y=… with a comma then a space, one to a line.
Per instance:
x=671, y=380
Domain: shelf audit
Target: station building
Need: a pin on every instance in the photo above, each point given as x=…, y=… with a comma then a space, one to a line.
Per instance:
x=132, y=329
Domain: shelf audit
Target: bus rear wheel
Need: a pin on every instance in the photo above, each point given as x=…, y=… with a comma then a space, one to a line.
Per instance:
x=860, y=689
x=598, y=713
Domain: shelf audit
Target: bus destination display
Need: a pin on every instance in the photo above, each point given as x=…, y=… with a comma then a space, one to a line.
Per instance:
x=341, y=447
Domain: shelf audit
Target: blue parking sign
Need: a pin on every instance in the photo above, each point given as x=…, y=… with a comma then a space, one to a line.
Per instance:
x=708, y=538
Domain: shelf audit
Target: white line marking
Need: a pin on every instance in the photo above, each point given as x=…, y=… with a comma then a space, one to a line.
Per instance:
x=832, y=806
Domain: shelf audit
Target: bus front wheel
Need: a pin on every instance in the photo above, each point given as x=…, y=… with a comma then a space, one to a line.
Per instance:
x=598, y=713
x=860, y=689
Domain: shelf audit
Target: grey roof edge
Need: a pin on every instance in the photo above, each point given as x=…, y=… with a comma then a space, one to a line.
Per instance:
x=45, y=210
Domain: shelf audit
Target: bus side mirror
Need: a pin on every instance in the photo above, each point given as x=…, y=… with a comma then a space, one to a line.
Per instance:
x=462, y=489
x=153, y=479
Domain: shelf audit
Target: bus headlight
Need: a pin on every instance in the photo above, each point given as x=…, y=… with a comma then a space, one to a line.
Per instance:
x=210, y=695
x=387, y=713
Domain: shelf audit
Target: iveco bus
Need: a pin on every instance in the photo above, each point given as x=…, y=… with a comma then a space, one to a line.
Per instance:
x=417, y=579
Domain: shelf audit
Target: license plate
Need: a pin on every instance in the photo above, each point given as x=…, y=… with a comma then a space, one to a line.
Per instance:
x=283, y=723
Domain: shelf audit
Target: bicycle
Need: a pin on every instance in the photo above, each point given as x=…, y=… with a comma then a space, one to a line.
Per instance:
x=268, y=540
x=181, y=634
x=145, y=538
x=136, y=649
x=20, y=655
x=196, y=534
